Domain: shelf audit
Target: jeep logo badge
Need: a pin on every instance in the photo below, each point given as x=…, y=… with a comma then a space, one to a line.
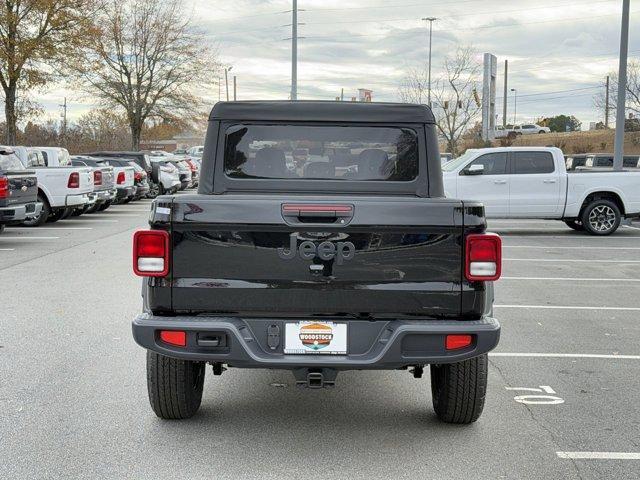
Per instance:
x=326, y=250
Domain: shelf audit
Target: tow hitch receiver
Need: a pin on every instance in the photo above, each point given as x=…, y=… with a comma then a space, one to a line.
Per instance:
x=315, y=377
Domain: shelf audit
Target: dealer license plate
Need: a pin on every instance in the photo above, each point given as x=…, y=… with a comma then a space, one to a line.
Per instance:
x=326, y=338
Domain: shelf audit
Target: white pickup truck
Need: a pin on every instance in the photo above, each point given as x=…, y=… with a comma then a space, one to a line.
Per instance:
x=61, y=189
x=532, y=182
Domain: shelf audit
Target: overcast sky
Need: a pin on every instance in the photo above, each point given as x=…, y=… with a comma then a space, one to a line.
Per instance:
x=552, y=47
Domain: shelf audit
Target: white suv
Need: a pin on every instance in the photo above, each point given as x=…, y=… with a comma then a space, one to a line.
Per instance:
x=530, y=129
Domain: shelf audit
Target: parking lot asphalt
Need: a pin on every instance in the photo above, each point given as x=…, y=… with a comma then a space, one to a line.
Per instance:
x=563, y=382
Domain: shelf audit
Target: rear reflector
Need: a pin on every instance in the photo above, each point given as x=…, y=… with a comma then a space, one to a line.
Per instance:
x=456, y=342
x=151, y=253
x=483, y=258
x=174, y=337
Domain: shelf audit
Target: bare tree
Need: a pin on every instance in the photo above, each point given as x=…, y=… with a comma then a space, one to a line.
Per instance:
x=149, y=61
x=632, y=96
x=455, y=106
x=36, y=36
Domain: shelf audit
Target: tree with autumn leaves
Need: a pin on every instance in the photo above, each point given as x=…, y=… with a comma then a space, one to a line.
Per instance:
x=141, y=58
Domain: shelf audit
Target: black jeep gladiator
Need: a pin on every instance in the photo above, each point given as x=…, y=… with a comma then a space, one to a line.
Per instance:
x=346, y=257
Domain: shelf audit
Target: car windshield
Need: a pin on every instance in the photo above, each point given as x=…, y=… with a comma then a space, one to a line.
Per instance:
x=321, y=152
x=454, y=164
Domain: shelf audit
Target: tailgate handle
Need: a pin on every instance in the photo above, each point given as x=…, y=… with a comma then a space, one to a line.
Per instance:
x=317, y=213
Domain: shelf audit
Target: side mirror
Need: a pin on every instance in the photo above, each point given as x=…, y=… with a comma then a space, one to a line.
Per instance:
x=475, y=170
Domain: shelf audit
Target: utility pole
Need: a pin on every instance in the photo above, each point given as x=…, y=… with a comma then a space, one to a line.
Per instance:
x=606, y=105
x=294, y=51
x=64, y=121
x=430, y=20
x=226, y=79
x=504, y=101
x=235, y=90
x=219, y=87
x=515, y=105
x=342, y=94
x=622, y=88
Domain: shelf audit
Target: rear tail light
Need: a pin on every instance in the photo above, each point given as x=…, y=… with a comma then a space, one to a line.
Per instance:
x=457, y=342
x=177, y=338
x=4, y=187
x=137, y=176
x=120, y=179
x=97, y=177
x=151, y=253
x=74, y=180
x=483, y=261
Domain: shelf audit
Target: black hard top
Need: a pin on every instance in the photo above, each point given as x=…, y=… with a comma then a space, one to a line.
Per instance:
x=322, y=111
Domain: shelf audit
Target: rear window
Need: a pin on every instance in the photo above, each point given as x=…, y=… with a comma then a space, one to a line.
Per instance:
x=533, y=162
x=9, y=161
x=321, y=152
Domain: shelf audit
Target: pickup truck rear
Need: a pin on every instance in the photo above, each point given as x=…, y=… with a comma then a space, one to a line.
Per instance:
x=18, y=190
x=347, y=258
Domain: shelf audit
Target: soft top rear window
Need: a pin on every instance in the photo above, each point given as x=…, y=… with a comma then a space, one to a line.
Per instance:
x=308, y=152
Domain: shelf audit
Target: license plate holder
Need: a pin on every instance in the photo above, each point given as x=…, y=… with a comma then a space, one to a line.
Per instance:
x=315, y=338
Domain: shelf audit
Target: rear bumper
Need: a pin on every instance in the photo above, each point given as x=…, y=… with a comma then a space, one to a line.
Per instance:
x=377, y=345
x=103, y=196
x=126, y=192
x=18, y=213
x=79, y=200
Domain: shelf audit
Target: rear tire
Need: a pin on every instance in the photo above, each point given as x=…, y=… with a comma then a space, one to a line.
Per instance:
x=459, y=389
x=104, y=206
x=575, y=225
x=601, y=217
x=174, y=386
x=44, y=214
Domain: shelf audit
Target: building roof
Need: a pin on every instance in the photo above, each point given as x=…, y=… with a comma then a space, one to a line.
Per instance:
x=322, y=111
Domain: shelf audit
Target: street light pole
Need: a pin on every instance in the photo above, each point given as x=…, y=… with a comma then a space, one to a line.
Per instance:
x=622, y=88
x=430, y=20
x=515, y=105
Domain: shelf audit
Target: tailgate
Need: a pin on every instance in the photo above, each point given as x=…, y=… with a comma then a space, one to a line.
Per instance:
x=23, y=188
x=277, y=255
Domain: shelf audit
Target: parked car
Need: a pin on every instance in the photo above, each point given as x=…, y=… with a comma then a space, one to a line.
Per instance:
x=530, y=129
x=169, y=175
x=104, y=188
x=446, y=157
x=532, y=182
x=61, y=189
x=143, y=160
x=196, y=152
x=140, y=178
x=319, y=273
x=18, y=190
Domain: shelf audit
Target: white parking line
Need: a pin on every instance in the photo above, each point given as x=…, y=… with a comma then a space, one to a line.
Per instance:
x=28, y=238
x=114, y=215
x=567, y=307
x=563, y=260
x=570, y=248
x=7, y=249
x=573, y=279
x=89, y=220
x=565, y=355
x=630, y=226
x=48, y=228
x=599, y=455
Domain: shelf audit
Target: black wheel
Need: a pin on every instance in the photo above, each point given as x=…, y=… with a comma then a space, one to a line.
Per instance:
x=44, y=214
x=127, y=200
x=459, y=390
x=601, y=217
x=541, y=132
x=575, y=225
x=1, y=229
x=154, y=190
x=174, y=386
x=104, y=206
